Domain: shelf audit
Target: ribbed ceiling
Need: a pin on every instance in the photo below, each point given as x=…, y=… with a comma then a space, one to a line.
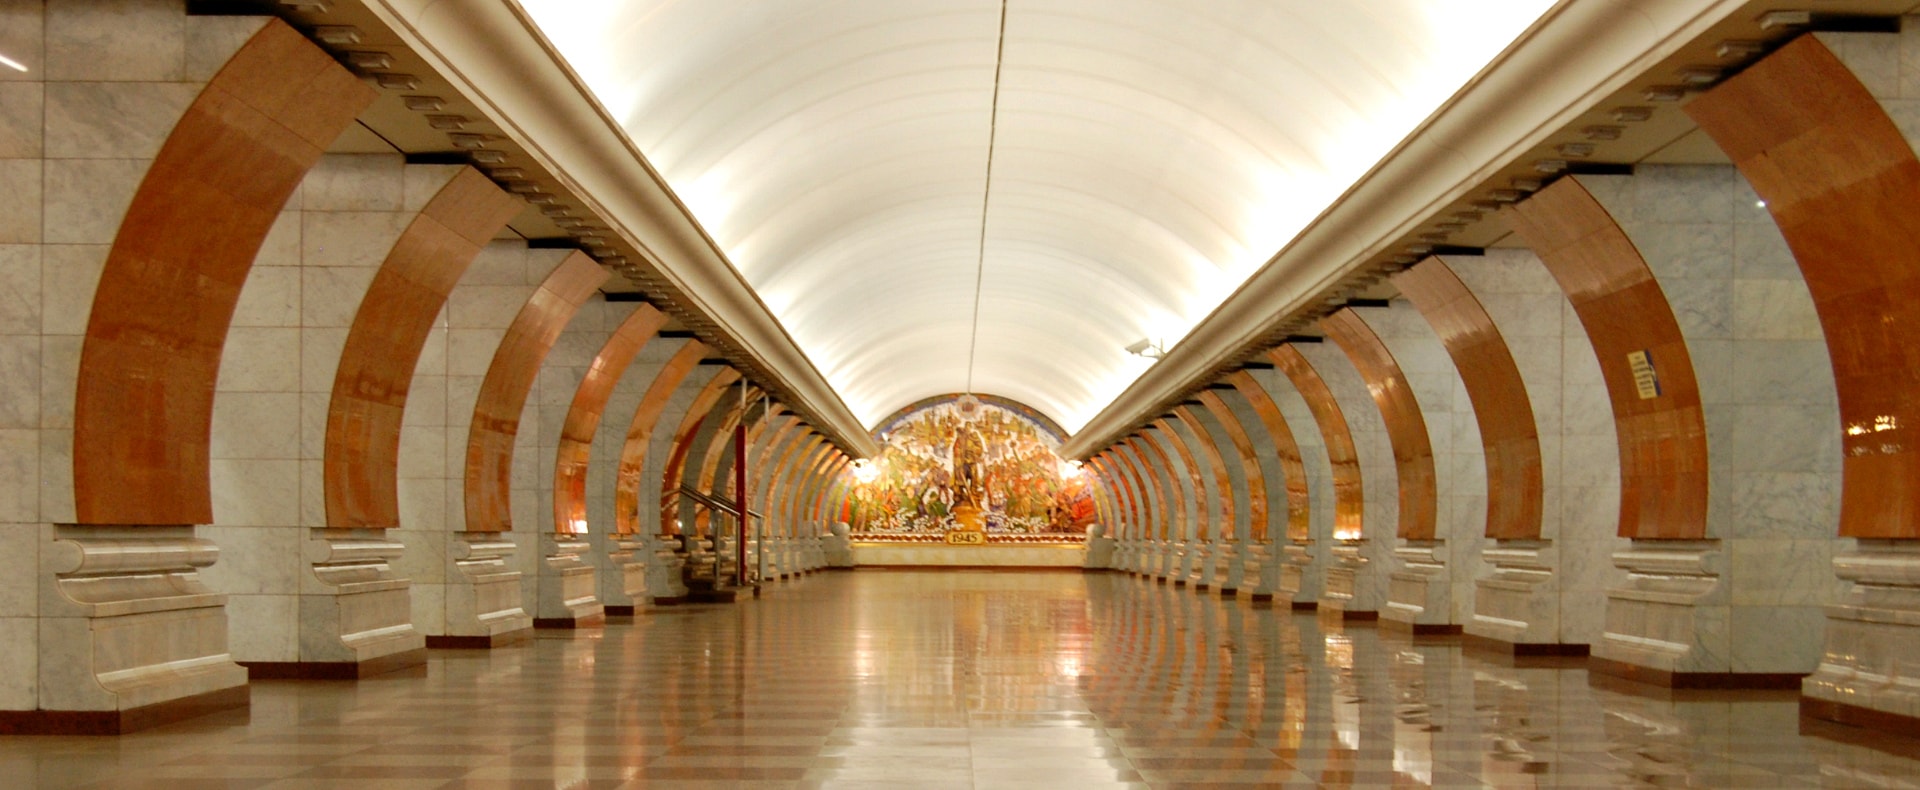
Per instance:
x=1146, y=157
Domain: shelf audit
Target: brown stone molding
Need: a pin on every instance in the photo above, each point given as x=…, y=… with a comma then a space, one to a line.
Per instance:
x=1249, y=464
x=1222, y=477
x=583, y=416
x=370, y=387
x=719, y=445
x=1499, y=396
x=1349, y=499
x=337, y=670
x=510, y=377
x=1842, y=183
x=1663, y=439
x=1292, y=469
x=143, y=409
x=633, y=452
x=1607, y=673
x=121, y=722
x=675, y=471
x=1884, y=727
x=1406, y=426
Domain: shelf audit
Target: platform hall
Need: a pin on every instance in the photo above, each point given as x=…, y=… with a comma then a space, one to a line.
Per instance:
x=959, y=393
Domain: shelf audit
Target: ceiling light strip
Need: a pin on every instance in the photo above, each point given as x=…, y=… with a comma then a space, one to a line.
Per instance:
x=986, y=192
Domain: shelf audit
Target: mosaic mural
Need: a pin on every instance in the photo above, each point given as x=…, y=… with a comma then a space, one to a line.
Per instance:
x=962, y=464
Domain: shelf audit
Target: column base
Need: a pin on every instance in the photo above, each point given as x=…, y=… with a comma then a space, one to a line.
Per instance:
x=121, y=722
x=620, y=611
x=594, y=620
x=1422, y=630
x=336, y=670
x=1878, y=721
x=1599, y=668
x=484, y=642
x=1492, y=646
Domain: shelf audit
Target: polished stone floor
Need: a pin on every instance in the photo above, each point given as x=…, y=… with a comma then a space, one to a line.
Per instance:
x=974, y=679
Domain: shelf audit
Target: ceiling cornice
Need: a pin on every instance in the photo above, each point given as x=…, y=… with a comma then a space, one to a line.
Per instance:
x=1576, y=55
x=493, y=55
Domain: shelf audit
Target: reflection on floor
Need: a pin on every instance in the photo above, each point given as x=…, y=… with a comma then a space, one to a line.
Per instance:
x=972, y=679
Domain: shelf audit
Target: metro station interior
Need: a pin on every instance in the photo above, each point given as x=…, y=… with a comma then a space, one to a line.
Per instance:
x=959, y=393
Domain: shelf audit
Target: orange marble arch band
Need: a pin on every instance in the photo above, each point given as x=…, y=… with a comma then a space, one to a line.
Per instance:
x=143, y=409
x=768, y=460
x=583, y=415
x=788, y=503
x=1663, y=438
x=1189, y=485
x=1120, y=497
x=815, y=460
x=503, y=393
x=1349, y=498
x=769, y=414
x=390, y=329
x=1222, y=513
x=1286, y=449
x=1841, y=183
x=633, y=452
x=826, y=490
x=1501, y=407
x=1165, y=501
x=1249, y=464
x=1129, y=485
x=719, y=445
x=1107, y=496
x=1406, y=426
x=670, y=475
x=785, y=469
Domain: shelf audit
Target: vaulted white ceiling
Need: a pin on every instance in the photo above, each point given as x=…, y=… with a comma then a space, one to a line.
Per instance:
x=927, y=211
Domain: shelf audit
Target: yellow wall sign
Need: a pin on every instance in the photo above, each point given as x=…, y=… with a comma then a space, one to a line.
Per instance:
x=1645, y=379
x=962, y=537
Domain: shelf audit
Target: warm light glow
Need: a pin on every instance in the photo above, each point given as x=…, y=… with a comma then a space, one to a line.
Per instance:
x=865, y=471
x=1142, y=170
x=1070, y=470
x=12, y=64
x=579, y=526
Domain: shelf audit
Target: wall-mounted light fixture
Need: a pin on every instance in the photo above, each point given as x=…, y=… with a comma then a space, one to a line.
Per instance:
x=1149, y=348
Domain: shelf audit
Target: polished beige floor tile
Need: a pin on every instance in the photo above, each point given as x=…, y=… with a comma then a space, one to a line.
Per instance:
x=1052, y=681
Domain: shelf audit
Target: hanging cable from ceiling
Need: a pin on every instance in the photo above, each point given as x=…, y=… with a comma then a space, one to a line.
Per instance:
x=986, y=192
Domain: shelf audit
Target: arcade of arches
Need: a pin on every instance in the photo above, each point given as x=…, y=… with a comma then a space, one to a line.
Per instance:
x=308, y=377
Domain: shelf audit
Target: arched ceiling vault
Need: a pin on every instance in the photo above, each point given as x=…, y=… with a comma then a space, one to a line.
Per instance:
x=1147, y=156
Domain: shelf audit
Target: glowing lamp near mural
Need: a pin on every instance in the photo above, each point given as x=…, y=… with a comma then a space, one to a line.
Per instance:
x=980, y=465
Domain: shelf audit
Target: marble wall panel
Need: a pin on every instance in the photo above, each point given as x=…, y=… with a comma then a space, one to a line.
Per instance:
x=144, y=397
x=582, y=424
x=1279, y=437
x=1349, y=509
x=1501, y=406
x=1253, y=480
x=706, y=406
x=1400, y=413
x=1211, y=480
x=390, y=330
x=1662, y=437
x=503, y=394
x=1838, y=177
